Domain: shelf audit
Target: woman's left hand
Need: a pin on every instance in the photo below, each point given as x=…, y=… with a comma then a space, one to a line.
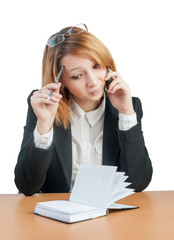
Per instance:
x=119, y=93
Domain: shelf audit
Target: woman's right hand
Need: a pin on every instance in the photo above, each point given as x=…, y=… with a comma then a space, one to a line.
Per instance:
x=46, y=110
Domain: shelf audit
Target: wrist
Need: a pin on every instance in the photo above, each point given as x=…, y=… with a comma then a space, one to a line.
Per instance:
x=44, y=127
x=127, y=121
x=128, y=112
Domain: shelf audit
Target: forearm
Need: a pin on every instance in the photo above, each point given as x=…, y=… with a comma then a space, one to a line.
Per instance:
x=31, y=168
x=134, y=159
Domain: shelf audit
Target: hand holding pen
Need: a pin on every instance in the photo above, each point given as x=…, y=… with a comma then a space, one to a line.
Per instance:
x=56, y=81
x=45, y=103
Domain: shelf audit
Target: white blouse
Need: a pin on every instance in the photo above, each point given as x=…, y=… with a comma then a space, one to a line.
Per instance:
x=87, y=136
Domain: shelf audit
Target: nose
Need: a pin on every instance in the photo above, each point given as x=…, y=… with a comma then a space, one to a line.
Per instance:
x=91, y=79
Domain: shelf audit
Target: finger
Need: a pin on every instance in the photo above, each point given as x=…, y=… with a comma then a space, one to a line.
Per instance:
x=45, y=92
x=53, y=98
x=53, y=91
x=117, y=84
x=111, y=80
x=111, y=75
x=52, y=86
x=43, y=100
x=41, y=96
x=115, y=88
x=113, y=83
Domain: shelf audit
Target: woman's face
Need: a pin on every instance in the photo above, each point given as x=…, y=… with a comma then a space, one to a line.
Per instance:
x=84, y=78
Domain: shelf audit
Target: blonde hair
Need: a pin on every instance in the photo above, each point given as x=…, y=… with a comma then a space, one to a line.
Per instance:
x=85, y=44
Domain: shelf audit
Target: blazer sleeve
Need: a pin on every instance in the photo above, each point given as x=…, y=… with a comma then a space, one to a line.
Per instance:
x=33, y=163
x=134, y=157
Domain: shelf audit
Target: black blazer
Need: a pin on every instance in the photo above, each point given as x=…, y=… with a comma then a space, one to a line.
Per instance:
x=49, y=171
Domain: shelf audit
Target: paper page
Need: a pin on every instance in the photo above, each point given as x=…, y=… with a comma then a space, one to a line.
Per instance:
x=92, y=183
x=117, y=189
x=121, y=194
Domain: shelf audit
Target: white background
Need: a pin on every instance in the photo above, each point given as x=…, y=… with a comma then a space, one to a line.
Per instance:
x=139, y=35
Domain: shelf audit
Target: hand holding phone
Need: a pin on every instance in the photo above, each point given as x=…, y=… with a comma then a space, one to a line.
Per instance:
x=119, y=93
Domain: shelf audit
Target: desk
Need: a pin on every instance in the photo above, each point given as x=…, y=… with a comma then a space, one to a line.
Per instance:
x=153, y=220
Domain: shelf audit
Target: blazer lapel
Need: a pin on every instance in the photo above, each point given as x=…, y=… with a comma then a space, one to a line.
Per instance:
x=63, y=146
x=110, y=136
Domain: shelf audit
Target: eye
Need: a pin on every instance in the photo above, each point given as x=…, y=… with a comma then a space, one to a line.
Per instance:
x=77, y=76
x=96, y=66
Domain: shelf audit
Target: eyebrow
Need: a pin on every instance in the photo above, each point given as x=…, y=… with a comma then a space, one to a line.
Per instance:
x=74, y=69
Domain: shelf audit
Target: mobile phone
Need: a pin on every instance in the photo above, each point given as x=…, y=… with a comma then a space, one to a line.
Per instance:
x=108, y=82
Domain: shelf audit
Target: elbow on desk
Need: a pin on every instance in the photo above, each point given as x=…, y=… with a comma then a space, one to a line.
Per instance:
x=143, y=182
x=26, y=190
x=25, y=184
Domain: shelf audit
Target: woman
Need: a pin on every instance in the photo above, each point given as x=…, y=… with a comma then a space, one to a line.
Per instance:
x=83, y=121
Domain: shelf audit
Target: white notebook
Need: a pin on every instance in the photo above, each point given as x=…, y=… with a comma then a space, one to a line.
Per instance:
x=95, y=191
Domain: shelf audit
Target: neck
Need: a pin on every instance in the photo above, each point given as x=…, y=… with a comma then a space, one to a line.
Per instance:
x=89, y=106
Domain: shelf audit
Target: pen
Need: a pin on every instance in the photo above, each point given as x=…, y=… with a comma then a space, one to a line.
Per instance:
x=56, y=81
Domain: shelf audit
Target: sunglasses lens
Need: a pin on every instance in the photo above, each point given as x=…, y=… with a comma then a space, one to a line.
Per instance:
x=55, y=40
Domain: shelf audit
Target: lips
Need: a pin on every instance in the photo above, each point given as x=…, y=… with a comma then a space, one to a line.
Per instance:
x=95, y=91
